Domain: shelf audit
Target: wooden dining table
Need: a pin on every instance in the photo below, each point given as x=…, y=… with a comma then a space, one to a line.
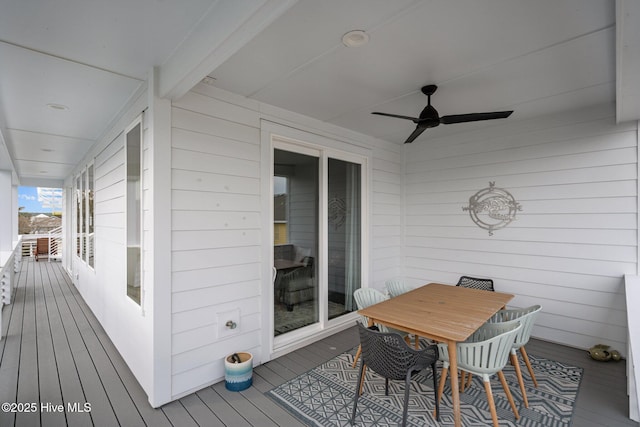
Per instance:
x=443, y=313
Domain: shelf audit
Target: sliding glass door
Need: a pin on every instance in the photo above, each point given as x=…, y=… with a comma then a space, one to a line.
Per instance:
x=295, y=250
x=344, y=238
x=317, y=235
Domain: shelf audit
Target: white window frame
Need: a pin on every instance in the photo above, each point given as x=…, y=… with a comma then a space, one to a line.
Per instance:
x=137, y=121
x=90, y=213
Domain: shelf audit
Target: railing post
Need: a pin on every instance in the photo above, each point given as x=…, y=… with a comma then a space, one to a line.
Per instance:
x=17, y=256
x=5, y=287
x=5, y=292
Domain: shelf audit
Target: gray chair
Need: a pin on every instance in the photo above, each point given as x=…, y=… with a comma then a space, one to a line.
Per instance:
x=396, y=287
x=299, y=285
x=526, y=316
x=365, y=297
x=484, y=353
x=387, y=354
x=475, y=283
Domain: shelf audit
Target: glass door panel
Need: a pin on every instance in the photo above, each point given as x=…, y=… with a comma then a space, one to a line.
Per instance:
x=295, y=252
x=344, y=235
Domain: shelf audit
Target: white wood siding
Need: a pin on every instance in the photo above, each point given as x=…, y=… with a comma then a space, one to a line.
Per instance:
x=217, y=231
x=575, y=176
x=215, y=237
x=387, y=208
x=104, y=287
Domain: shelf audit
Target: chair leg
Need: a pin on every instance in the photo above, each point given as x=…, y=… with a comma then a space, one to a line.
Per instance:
x=358, y=392
x=465, y=384
x=435, y=393
x=492, y=405
x=516, y=364
x=525, y=356
x=355, y=359
x=364, y=369
x=407, y=387
x=505, y=386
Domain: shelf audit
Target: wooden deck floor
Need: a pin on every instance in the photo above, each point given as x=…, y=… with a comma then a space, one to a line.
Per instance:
x=55, y=352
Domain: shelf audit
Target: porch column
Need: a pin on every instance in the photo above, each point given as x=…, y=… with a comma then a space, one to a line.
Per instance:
x=8, y=211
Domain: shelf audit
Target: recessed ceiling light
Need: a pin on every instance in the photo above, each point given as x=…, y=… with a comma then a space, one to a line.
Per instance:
x=355, y=38
x=209, y=80
x=58, y=107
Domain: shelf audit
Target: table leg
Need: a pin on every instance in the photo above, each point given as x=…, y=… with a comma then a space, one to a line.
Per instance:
x=453, y=378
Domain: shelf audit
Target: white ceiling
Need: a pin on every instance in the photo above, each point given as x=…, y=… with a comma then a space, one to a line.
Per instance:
x=533, y=57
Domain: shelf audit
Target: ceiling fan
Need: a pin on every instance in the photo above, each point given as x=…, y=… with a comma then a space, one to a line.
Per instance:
x=429, y=117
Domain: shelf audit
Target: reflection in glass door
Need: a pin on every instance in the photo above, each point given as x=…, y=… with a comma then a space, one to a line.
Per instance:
x=344, y=236
x=295, y=251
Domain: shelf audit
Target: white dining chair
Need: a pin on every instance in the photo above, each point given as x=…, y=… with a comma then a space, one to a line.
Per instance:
x=484, y=353
x=396, y=287
x=526, y=316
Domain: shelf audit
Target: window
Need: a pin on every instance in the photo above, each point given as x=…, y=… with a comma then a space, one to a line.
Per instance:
x=84, y=194
x=90, y=217
x=83, y=215
x=280, y=210
x=133, y=149
x=78, y=215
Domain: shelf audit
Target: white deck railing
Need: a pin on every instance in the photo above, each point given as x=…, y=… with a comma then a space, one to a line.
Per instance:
x=55, y=243
x=632, y=290
x=9, y=266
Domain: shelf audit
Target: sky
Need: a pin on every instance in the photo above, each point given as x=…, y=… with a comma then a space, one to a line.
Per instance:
x=28, y=198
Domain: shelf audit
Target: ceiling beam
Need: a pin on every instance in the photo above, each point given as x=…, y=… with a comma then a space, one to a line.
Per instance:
x=627, y=60
x=223, y=30
x=6, y=162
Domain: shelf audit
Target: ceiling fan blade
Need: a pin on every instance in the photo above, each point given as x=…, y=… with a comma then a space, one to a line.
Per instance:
x=474, y=117
x=416, y=133
x=397, y=116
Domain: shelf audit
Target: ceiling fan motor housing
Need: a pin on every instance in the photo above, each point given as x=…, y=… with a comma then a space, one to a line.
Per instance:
x=429, y=117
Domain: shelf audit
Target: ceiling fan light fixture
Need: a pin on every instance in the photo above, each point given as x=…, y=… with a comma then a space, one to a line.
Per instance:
x=355, y=38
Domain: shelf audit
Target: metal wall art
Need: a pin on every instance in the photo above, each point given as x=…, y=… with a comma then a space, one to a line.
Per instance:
x=492, y=208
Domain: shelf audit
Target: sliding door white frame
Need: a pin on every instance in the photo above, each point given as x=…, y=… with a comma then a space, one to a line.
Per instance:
x=275, y=136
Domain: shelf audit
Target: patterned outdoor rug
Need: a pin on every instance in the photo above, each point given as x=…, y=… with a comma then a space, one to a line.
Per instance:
x=324, y=397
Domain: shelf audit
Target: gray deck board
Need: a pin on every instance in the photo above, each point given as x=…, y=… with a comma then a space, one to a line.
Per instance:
x=221, y=408
x=55, y=350
x=200, y=412
x=94, y=393
x=12, y=335
x=178, y=415
x=28, y=390
x=244, y=406
x=70, y=384
x=48, y=376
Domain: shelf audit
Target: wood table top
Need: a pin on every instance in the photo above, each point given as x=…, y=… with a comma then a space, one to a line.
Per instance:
x=283, y=264
x=437, y=311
